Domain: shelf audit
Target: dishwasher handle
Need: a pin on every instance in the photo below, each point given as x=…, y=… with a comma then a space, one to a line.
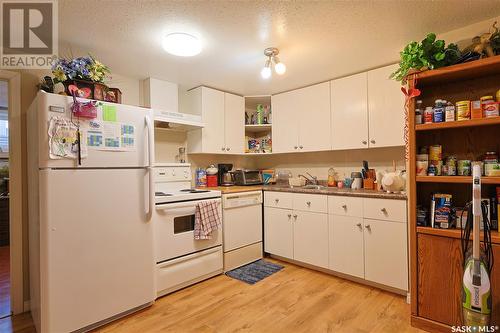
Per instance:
x=235, y=200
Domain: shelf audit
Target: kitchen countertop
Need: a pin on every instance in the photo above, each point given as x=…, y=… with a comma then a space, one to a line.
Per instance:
x=327, y=190
x=234, y=189
x=338, y=191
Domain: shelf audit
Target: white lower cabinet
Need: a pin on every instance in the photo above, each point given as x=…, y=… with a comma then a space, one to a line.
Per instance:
x=385, y=249
x=346, y=245
x=310, y=238
x=278, y=231
x=347, y=240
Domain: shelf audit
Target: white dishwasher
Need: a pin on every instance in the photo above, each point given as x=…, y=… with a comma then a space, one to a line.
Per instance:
x=242, y=228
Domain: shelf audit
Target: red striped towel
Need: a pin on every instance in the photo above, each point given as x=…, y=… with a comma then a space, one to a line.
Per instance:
x=207, y=219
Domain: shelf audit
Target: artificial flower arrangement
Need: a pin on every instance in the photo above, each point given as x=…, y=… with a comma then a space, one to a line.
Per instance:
x=84, y=77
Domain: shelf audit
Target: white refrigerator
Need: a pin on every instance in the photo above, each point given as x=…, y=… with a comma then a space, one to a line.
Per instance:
x=90, y=232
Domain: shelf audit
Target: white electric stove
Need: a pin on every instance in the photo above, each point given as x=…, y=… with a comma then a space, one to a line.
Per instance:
x=180, y=259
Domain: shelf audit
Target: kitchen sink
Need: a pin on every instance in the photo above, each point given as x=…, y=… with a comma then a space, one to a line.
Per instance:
x=313, y=187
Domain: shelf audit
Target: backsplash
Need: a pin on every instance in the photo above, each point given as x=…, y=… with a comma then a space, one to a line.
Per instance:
x=344, y=161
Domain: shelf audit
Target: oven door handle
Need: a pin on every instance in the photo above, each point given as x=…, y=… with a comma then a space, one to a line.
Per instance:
x=172, y=206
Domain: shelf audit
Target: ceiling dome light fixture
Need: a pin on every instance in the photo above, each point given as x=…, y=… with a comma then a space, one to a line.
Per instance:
x=272, y=59
x=181, y=44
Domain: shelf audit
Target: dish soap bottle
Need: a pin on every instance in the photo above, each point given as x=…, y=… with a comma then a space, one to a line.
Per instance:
x=331, y=177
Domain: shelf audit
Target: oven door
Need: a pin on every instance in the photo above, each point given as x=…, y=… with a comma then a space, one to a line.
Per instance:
x=174, y=230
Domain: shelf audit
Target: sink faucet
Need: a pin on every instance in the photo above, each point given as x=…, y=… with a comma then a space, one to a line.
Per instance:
x=310, y=181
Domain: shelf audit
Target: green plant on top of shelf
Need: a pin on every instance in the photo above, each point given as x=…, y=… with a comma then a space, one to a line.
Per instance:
x=428, y=54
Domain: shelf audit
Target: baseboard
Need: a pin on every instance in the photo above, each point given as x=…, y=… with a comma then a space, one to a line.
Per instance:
x=27, y=306
x=429, y=325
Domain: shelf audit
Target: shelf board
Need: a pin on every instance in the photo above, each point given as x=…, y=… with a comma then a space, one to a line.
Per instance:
x=454, y=233
x=258, y=128
x=456, y=179
x=469, y=70
x=459, y=124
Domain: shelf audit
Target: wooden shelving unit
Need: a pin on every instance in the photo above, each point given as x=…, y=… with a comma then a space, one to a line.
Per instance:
x=458, y=124
x=435, y=254
x=456, y=179
x=453, y=233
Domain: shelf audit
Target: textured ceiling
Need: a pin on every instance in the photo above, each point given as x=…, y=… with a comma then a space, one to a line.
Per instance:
x=318, y=40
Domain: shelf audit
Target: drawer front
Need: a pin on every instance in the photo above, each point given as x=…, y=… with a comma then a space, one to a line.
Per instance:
x=278, y=199
x=310, y=203
x=346, y=206
x=178, y=273
x=385, y=209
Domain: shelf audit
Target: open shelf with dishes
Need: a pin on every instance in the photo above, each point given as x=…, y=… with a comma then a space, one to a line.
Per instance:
x=258, y=124
x=450, y=147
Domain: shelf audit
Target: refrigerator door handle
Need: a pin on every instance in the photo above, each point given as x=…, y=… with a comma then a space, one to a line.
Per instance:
x=149, y=167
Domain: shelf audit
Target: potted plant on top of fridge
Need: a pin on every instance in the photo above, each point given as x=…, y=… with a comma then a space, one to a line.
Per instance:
x=82, y=77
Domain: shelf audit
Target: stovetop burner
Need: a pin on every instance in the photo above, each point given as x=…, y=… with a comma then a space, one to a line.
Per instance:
x=162, y=194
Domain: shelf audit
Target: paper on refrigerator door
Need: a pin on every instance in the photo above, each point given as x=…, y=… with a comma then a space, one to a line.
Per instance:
x=63, y=139
x=110, y=136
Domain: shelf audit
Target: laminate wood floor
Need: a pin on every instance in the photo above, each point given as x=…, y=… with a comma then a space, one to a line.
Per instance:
x=295, y=299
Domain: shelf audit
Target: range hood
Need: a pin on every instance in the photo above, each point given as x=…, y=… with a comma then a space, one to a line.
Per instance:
x=163, y=97
x=177, y=120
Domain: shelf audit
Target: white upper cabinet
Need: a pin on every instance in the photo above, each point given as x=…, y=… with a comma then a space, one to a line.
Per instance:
x=301, y=119
x=385, y=108
x=314, y=117
x=223, y=116
x=234, y=115
x=349, y=118
x=285, y=122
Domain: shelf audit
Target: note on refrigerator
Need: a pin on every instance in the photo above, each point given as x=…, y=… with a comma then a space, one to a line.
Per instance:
x=63, y=139
x=110, y=136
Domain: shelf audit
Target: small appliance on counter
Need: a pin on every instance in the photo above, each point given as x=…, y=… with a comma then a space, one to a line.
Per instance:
x=212, y=177
x=247, y=177
x=225, y=174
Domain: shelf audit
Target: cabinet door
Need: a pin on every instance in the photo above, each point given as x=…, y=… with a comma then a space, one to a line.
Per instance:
x=310, y=238
x=234, y=113
x=285, y=122
x=314, y=117
x=212, y=105
x=349, y=112
x=346, y=245
x=385, y=109
x=386, y=253
x=278, y=232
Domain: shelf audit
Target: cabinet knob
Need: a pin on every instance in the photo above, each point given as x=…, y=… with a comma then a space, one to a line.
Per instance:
x=364, y=142
x=344, y=206
x=372, y=141
x=295, y=216
x=228, y=148
x=383, y=210
x=308, y=203
x=295, y=147
x=368, y=227
x=289, y=215
x=276, y=200
x=223, y=149
x=359, y=225
x=301, y=147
